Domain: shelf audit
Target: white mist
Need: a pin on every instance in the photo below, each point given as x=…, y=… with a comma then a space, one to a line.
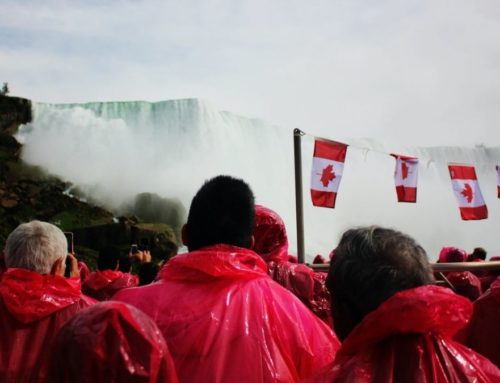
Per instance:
x=115, y=150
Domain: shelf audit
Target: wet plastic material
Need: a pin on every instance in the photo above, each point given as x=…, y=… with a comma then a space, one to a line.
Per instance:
x=465, y=284
x=489, y=276
x=33, y=307
x=225, y=320
x=483, y=331
x=409, y=339
x=271, y=243
x=452, y=254
x=111, y=342
x=102, y=285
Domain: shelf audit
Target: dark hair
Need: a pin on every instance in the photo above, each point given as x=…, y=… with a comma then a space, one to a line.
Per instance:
x=222, y=212
x=478, y=253
x=373, y=263
x=108, y=258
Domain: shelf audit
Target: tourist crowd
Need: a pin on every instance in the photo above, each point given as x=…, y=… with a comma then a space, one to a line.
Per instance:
x=237, y=307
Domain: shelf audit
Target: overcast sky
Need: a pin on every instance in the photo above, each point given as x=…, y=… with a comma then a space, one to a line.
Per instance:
x=426, y=72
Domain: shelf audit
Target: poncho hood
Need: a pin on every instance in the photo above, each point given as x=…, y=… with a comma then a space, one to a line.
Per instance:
x=271, y=241
x=143, y=356
x=30, y=296
x=425, y=309
x=219, y=261
x=99, y=279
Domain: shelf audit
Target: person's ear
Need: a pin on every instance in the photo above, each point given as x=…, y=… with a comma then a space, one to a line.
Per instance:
x=58, y=267
x=184, y=235
x=252, y=242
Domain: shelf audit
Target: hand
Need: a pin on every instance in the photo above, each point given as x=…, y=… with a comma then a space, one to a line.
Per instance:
x=135, y=256
x=143, y=256
x=146, y=256
x=74, y=272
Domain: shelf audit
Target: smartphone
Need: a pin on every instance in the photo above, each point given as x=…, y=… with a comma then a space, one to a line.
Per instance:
x=134, y=249
x=69, y=239
x=70, y=250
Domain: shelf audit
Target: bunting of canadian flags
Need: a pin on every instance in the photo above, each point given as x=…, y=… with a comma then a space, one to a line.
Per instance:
x=328, y=166
x=466, y=187
x=326, y=173
x=405, y=178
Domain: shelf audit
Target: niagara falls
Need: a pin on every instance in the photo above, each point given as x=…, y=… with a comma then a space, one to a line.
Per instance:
x=113, y=151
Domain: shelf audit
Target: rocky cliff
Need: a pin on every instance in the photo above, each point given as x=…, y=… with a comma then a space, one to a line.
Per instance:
x=28, y=192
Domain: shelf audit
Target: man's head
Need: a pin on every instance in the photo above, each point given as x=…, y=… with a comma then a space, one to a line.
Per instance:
x=37, y=246
x=222, y=212
x=370, y=265
x=108, y=258
x=478, y=253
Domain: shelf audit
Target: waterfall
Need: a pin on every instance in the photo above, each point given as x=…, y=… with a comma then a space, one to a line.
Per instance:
x=114, y=150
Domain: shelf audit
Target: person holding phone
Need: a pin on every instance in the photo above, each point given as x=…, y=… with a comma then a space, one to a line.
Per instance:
x=35, y=299
x=107, y=280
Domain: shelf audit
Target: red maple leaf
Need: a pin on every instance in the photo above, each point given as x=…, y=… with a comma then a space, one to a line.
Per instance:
x=327, y=175
x=404, y=170
x=467, y=193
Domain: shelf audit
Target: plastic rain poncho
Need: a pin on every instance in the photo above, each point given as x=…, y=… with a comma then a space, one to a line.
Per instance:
x=33, y=307
x=102, y=285
x=111, y=342
x=271, y=243
x=225, y=320
x=408, y=338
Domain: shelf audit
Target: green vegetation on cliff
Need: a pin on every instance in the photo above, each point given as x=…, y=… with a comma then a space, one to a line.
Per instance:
x=29, y=192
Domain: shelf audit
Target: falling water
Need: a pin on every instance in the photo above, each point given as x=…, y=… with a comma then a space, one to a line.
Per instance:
x=115, y=150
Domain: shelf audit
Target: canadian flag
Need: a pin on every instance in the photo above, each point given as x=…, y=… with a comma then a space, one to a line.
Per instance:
x=405, y=178
x=467, y=191
x=498, y=180
x=327, y=168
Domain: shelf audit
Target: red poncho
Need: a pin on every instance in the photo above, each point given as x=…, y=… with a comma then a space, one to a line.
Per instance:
x=271, y=243
x=452, y=254
x=466, y=284
x=225, y=320
x=408, y=338
x=111, y=342
x=102, y=285
x=483, y=332
x=33, y=307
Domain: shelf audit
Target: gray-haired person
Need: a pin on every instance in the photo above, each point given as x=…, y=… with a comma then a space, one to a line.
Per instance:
x=35, y=299
x=395, y=323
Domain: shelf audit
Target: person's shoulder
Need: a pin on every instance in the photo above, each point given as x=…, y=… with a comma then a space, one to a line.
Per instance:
x=139, y=292
x=281, y=297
